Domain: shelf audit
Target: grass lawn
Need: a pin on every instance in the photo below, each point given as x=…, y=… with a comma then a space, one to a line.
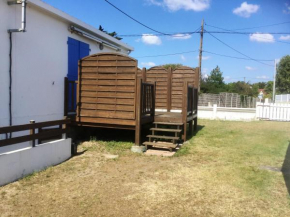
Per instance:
x=226, y=169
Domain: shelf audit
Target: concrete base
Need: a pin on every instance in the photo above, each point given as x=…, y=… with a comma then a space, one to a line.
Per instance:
x=17, y=164
x=138, y=149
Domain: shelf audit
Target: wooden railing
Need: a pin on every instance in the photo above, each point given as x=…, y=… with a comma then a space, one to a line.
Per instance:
x=33, y=136
x=190, y=100
x=69, y=97
x=195, y=99
x=145, y=107
x=147, y=99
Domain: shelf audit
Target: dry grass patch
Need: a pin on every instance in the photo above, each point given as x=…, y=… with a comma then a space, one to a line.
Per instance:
x=216, y=174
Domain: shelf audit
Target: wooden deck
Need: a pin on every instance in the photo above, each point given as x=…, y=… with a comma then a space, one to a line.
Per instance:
x=111, y=92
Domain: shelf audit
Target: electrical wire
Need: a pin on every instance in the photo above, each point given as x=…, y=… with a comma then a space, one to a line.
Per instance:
x=276, y=24
x=214, y=32
x=237, y=50
x=175, y=35
x=248, y=33
x=233, y=57
x=134, y=18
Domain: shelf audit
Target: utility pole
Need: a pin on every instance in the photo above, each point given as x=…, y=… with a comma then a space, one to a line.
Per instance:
x=244, y=79
x=200, y=53
x=274, y=81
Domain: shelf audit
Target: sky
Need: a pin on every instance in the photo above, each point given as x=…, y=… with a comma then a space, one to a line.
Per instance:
x=178, y=17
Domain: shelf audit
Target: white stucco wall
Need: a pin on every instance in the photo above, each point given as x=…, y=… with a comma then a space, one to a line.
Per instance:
x=17, y=164
x=231, y=114
x=40, y=63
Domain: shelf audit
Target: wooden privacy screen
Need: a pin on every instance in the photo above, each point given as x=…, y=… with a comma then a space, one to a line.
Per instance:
x=162, y=78
x=179, y=76
x=169, y=85
x=107, y=89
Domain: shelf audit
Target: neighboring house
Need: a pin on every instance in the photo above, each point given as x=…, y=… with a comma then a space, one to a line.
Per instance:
x=42, y=56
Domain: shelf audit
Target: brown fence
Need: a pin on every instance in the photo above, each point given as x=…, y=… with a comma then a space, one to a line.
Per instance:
x=107, y=88
x=162, y=77
x=148, y=99
x=36, y=132
x=179, y=76
x=170, y=84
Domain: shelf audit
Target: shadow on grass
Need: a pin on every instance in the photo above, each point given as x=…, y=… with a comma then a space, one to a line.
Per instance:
x=286, y=169
x=107, y=134
x=199, y=127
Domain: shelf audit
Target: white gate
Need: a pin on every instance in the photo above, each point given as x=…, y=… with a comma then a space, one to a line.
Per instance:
x=273, y=111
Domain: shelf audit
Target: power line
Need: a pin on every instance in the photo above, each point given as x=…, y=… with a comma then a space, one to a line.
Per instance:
x=205, y=51
x=276, y=24
x=237, y=50
x=171, y=54
x=134, y=18
x=234, y=57
x=175, y=35
x=234, y=32
x=214, y=32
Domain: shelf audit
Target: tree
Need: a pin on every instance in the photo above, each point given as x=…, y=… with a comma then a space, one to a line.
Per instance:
x=214, y=83
x=269, y=89
x=283, y=75
x=261, y=85
x=173, y=66
x=243, y=88
x=113, y=34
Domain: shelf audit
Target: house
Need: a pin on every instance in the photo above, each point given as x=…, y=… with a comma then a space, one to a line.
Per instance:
x=45, y=45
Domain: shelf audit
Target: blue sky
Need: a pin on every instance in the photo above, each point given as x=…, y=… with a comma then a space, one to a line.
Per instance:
x=180, y=16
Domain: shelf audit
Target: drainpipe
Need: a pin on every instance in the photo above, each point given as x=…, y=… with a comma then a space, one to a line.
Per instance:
x=10, y=31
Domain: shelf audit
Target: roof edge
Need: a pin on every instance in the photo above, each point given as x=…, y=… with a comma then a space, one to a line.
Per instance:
x=52, y=10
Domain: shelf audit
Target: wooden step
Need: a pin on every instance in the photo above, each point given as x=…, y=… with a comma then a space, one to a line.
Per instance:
x=166, y=130
x=163, y=137
x=169, y=123
x=161, y=144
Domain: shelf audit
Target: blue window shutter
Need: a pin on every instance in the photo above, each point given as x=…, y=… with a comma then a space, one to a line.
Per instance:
x=76, y=51
x=84, y=50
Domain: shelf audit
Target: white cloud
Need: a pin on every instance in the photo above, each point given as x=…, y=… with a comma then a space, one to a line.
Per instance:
x=204, y=75
x=227, y=78
x=287, y=10
x=285, y=38
x=181, y=36
x=266, y=38
x=250, y=68
x=148, y=64
x=187, y=5
x=203, y=57
x=151, y=39
x=264, y=77
x=246, y=10
x=182, y=58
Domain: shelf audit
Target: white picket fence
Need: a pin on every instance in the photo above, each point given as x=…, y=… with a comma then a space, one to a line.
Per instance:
x=273, y=111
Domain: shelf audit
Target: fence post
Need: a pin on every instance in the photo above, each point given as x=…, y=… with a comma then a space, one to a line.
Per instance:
x=32, y=132
x=63, y=126
x=138, y=113
x=184, y=109
x=65, y=108
x=169, y=89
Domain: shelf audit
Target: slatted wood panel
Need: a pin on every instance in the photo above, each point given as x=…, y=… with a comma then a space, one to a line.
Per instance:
x=179, y=76
x=161, y=76
x=107, y=88
x=139, y=73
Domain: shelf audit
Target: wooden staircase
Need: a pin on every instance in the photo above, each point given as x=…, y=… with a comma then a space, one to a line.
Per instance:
x=162, y=137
